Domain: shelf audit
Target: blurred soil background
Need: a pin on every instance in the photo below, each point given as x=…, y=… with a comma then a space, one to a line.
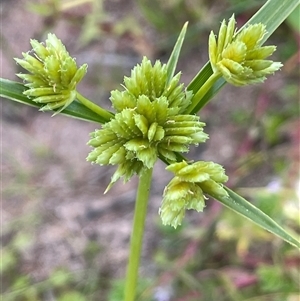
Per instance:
x=63, y=239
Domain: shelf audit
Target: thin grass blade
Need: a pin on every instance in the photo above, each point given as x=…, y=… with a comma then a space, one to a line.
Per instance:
x=241, y=206
x=172, y=62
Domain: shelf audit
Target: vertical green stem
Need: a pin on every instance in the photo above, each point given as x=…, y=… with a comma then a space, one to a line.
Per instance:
x=140, y=212
x=202, y=91
x=95, y=108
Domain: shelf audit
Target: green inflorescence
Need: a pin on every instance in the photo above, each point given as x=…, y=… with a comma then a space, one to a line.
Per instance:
x=186, y=190
x=53, y=76
x=149, y=123
x=239, y=57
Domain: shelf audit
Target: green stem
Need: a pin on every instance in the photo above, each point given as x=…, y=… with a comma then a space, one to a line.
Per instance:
x=106, y=115
x=202, y=91
x=136, y=240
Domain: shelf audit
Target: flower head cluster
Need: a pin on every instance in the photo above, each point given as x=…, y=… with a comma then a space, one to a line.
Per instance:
x=186, y=190
x=240, y=58
x=149, y=123
x=54, y=74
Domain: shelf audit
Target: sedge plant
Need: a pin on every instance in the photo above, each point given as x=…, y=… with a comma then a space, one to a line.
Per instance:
x=155, y=118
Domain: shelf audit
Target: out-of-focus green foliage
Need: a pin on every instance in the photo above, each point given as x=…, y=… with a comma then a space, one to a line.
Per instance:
x=293, y=19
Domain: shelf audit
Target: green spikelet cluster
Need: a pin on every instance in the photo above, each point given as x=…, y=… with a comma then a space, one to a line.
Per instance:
x=53, y=76
x=149, y=123
x=240, y=58
x=186, y=190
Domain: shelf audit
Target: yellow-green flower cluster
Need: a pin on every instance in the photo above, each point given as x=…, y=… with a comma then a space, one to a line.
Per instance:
x=148, y=124
x=186, y=190
x=54, y=74
x=240, y=58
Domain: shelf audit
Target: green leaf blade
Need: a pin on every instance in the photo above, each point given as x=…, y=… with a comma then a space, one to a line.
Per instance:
x=172, y=62
x=241, y=206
